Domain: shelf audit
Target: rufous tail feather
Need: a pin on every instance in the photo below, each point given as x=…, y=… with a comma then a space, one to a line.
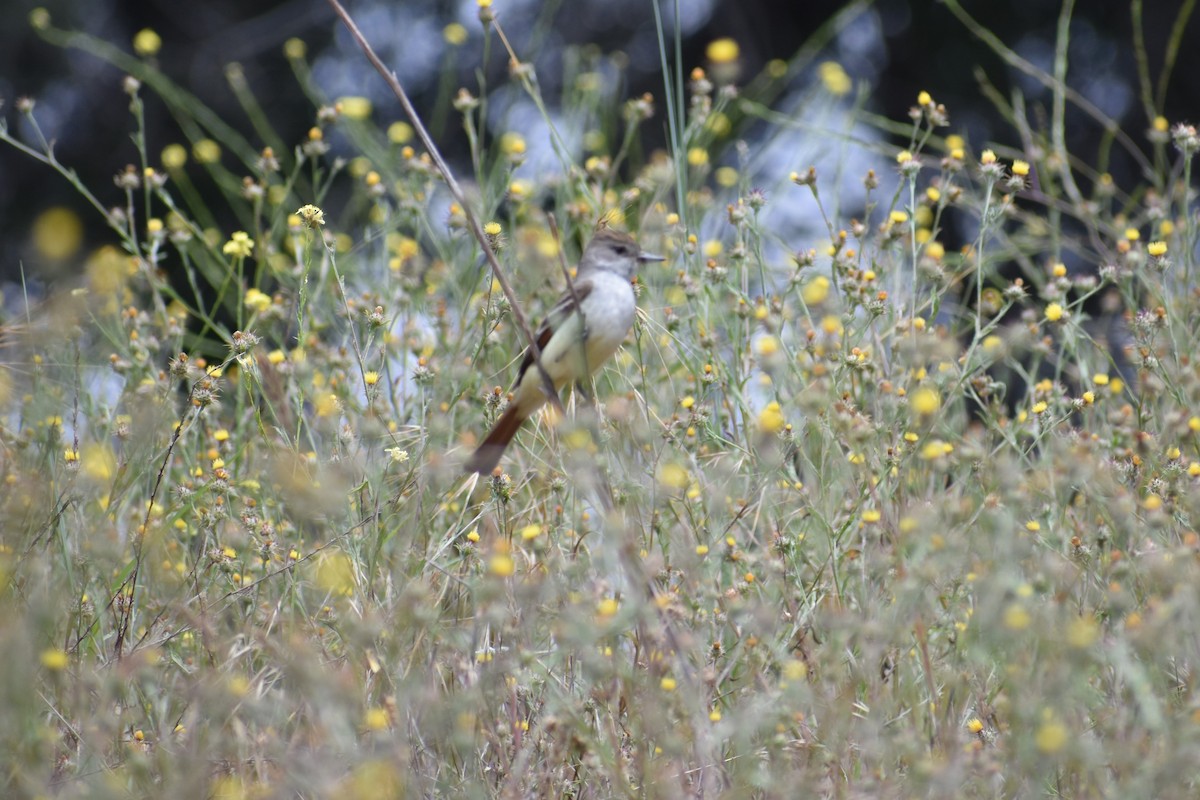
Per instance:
x=488, y=454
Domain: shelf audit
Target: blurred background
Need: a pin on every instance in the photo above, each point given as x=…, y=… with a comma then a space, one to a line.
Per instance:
x=893, y=48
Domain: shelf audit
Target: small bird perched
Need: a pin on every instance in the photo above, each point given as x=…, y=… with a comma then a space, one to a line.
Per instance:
x=582, y=331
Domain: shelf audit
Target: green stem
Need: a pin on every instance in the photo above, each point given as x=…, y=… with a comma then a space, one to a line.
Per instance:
x=983, y=225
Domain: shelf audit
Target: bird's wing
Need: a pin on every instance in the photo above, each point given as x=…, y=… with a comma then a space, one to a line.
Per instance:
x=557, y=315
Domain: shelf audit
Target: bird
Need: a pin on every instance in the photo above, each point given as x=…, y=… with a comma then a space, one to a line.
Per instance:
x=581, y=332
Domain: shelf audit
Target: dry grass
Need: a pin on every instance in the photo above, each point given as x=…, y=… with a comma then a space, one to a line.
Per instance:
x=779, y=556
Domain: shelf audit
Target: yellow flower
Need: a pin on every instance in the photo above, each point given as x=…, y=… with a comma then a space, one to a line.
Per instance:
x=206, y=151
x=795, y=670
x=174, y=156
x=771, y=419
x=1157, y=249
x=399, y=132
x=766, y=346
x=54, y=659
x=240, y=245
x=295, y=48
x=925, y=401
x=531, y=532
x=371, y=378
x=1054, y=312
x=146, y=42
x=311, y=216
x=520, y=189
x=1016, y=618
x=377, y=719
x=454, y=34
x=1051, y=737
x=1132, y=234
x=816, y=291
x=722, y=51
x=718, y=124
x=924, y=99
x=257, y=300
x=335, y=573
x=327, y=404
x=903, y=157
x=99, y=462
x=493, y=229
x=502, y=565
x=57, y=233
x=607, y=607
x=1020, y=168
x=835, y=79
x=512, y=144
x=1082, y=632
x=933, y=449
x=1161, y=125
x=674, y=476
x=668, y=684
x=357, y=108
x=579, y=439
x=697, y=157
x=987, y=157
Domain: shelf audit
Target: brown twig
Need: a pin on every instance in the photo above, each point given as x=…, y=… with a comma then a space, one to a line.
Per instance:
x=443, y=168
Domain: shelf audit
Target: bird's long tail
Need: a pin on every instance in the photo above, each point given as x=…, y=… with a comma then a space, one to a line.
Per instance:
x=488, y=454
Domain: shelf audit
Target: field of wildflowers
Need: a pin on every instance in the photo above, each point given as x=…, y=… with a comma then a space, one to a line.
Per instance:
x=853, y=513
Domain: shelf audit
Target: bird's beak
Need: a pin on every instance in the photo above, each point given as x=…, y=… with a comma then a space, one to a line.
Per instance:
x=644, y=256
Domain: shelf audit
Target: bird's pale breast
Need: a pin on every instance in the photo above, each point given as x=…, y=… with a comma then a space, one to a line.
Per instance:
x=608, y=313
